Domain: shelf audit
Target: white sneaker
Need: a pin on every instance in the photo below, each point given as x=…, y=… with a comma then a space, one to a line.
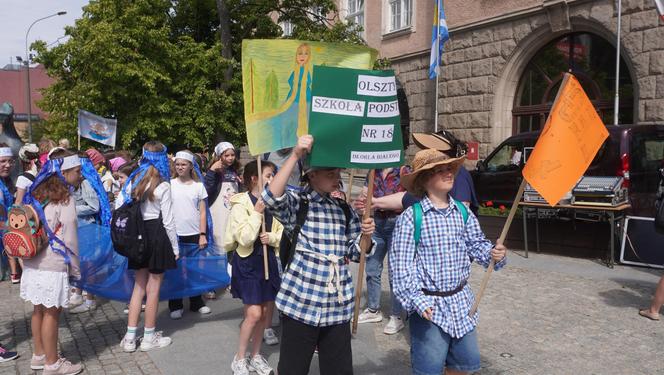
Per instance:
x=158, y=341
x=260, y=365
x=75, y=299
x=84, y=307
x=368, y=316
x=394, y=325
x=240, y=366
x=177, y=314
x=270, y=337
x=128, y=346
x=204, y=310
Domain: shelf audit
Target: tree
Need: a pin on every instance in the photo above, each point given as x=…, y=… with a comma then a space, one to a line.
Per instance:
x=166, y=69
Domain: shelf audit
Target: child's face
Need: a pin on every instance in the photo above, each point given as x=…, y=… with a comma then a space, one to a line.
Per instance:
x=228, y=157
x=325, y=180
x=6, y=165
x=441, y=179
x=183, y=167
x=268, y=175
x=122, y=178
x=73, y=176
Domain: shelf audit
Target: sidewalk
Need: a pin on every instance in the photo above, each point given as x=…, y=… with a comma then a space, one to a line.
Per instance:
x=542, y=315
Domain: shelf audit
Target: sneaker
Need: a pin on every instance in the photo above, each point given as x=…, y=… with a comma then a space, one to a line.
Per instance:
x=211, y=295
x=368, y=316
x=158, y=341
x=270, y=337
x=177, y=314
x=15, y=278
x=75, y=299
x=394, y=325
x=128, y=346
x=64, y=367
x=204, y=310
x=240, y=366
x=37, y=363
x=260, y=365
x=84, y=307
x=7, y=356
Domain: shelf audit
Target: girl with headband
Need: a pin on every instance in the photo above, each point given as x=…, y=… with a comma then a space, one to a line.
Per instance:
x=190, y=202
x=149, y=184
x=50, y=196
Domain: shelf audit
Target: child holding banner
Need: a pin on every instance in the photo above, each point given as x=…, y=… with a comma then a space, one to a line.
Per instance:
x=316, y=295
x=433, y=244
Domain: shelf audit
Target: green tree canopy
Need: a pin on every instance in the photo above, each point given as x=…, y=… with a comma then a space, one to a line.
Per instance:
x=157, y=65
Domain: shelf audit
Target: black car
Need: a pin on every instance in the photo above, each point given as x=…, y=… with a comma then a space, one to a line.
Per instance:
x=634, y=152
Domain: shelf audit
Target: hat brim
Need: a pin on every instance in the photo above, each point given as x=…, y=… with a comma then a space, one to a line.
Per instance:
x=431, y=141
x=408, y=180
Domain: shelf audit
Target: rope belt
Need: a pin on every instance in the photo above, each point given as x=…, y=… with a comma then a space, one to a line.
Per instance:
x=334, y=282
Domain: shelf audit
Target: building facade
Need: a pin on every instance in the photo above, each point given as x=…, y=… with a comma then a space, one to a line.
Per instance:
x=505, y=59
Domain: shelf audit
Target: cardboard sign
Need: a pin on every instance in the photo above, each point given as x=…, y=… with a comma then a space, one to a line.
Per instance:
x=572, y=135
x=355, y=119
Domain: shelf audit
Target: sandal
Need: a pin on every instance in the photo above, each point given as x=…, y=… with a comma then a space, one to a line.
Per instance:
x=646, y=313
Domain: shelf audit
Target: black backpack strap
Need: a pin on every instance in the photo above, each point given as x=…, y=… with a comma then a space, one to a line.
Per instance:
x=29, y=176
x=300, y=218
x=347, y=213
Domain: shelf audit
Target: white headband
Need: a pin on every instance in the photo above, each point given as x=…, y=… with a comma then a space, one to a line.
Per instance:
x=222, y=147
x=54, y=149
x=69, y=162
x=185, y=156
x=6, y=152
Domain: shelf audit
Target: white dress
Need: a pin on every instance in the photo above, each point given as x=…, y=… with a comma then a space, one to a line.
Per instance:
x=48, y=288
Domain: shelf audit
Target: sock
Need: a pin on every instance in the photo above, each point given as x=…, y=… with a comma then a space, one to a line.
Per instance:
x=38, y=357
x=148, y=334
x=131, y=333
x=89, y=302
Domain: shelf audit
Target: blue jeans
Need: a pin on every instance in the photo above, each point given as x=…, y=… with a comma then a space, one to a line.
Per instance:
x=383, y=237
x=432, y=350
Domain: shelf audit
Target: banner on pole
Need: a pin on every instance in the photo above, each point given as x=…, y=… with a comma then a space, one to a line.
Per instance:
x=572, y=135
x=355, y=119
x=97, y=128
x=276, y=80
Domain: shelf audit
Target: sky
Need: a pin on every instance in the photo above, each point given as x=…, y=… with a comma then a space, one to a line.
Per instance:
x=17, y=15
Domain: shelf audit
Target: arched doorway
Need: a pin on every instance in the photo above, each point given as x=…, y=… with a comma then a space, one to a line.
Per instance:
x=592, y=60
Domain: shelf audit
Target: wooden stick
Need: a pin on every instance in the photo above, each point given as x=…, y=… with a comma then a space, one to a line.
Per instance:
x=365, y=244
x=500, y=241
x=350, y=185
x=260, y=183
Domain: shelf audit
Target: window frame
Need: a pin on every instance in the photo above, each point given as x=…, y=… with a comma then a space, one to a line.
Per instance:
x=403, y=16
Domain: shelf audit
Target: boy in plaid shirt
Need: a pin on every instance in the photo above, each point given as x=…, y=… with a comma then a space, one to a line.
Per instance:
x=316, y=294
x=430, y=278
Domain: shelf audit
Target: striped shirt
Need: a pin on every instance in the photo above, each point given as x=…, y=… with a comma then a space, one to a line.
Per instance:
x=316, y=288
x=442, y=262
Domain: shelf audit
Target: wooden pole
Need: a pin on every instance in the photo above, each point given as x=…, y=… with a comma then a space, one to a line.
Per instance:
x=260, y=183
x=350, y=185
x=365, y=244
x=500, y=241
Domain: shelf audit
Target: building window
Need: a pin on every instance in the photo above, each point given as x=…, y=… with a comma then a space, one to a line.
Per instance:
x=401, y=12
x=287, y=27
x=356, y=12
x=592, y=60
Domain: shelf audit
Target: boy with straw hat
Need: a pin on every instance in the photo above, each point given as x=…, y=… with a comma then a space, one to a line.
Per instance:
x=429, y=274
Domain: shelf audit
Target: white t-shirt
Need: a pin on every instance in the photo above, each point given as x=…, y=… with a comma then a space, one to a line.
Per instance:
x=186, y=200
x=23, y=182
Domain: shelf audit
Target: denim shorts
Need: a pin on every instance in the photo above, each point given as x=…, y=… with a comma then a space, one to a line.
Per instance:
x=432, y=350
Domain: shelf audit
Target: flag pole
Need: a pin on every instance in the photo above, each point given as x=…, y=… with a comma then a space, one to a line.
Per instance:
x=616, y=99
x=435, y=121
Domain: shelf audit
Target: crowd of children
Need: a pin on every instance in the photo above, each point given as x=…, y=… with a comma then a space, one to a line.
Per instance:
x=249, y=212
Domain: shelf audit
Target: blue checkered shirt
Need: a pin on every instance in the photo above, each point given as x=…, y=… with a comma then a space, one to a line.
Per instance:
x=308, y=291
x=444, y=255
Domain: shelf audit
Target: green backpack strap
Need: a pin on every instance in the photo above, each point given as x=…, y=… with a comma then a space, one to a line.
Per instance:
x=417, y=223
x=463, y=209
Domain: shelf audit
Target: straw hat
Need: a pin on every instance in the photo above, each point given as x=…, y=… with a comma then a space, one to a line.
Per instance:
x=432, y=140
x=425, y=160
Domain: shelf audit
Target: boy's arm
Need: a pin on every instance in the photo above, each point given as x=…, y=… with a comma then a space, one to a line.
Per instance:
x=354, y=234
x=278, y=185
x=478, y=247
x=402, y=266
x=90, y=204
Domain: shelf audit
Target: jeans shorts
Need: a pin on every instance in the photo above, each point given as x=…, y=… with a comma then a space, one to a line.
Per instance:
x=432, y=350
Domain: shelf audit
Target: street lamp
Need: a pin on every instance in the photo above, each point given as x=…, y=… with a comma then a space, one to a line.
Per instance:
x=28, y=95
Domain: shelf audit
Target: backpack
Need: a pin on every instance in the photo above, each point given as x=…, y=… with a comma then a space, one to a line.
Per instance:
x=289, y=240
x=417, y=219
x=128, y=232
x=25, y=236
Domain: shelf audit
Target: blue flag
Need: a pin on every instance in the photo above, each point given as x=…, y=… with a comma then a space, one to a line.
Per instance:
x=439, y=35
x=97, y=128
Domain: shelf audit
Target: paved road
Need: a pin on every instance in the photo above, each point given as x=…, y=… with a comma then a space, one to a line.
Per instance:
x=543, y=315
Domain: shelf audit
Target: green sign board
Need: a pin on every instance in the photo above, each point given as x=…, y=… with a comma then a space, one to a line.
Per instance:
x=354, y=119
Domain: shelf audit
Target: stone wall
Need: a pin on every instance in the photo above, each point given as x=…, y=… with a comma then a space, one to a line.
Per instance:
x=482, y=64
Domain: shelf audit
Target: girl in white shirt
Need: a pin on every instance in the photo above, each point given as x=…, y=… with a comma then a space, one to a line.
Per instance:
x=189, y=195
x=150, y=184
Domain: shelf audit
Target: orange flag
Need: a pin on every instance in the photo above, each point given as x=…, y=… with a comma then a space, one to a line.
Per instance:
x=572, y=135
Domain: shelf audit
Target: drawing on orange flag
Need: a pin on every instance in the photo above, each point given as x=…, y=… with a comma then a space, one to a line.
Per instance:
x=572, y=135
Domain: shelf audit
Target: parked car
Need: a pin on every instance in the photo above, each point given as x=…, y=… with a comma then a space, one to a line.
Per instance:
x=634, y=152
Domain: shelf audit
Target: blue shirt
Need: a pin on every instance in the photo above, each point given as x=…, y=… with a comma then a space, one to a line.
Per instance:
x=441, y=263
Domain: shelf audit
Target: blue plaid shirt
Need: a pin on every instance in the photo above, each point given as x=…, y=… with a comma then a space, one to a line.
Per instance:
x=311, y=292
x=441, y=263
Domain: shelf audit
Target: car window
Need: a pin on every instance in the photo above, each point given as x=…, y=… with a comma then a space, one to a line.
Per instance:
x=647, y=153
x=508, y=157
